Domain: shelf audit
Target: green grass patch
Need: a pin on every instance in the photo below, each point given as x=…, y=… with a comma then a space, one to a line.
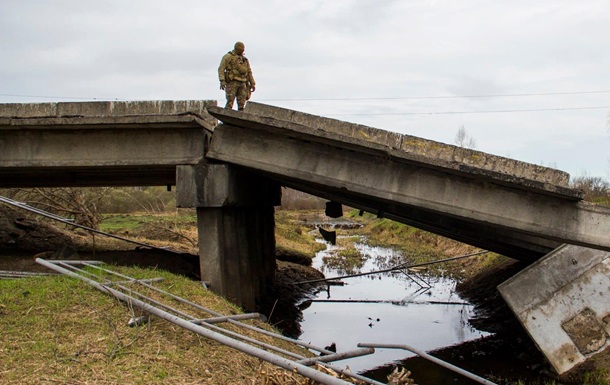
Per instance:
x=120, y=222
x=292, y=236
x=347, y=259
x=131, y=222
x=597, y=377
x=61, y=330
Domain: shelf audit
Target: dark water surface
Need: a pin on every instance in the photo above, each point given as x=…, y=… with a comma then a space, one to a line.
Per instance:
x=427, y=318
x=392, y=308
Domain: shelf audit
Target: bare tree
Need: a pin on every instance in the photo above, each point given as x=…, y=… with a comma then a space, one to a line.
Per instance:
x=463, y=139
x=80, y=204
x=296, y=200
x=596, y=189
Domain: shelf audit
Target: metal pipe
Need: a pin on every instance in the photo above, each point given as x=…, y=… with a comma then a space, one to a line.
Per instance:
x=393, y=302
x=209, y=311
x=22, y=274
x=79, y=262
x=33, y=209
x=107, y=284
x=253, y=341
x=135, y=281
x=243, y=347
x=337, y=356
x=173, y=296
x=347, y=372
x=188, y=317
x=70, y=222
x=214, y=320
x=428, y=357
x=398, y=267
x=94, y=264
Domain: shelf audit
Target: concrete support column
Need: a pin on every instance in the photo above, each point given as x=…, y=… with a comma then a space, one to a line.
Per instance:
x=235, y=219
x=237, y=251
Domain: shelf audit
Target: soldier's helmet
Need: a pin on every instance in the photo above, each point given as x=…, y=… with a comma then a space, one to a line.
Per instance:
x=239, y=47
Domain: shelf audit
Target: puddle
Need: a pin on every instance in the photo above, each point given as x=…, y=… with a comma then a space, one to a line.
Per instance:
x=395, y=309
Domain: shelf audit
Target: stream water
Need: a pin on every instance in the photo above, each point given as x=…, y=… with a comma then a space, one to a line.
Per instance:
x=415, y=309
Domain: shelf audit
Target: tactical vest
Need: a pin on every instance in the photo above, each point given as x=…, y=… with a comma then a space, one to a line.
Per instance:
x=237, y=68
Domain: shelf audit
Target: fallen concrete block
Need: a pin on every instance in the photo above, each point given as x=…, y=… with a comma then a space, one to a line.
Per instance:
x=562, y=301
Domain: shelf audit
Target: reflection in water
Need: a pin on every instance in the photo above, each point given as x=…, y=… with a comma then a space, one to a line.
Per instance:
x=385, y=308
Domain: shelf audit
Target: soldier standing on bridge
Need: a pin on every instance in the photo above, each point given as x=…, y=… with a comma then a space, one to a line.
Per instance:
x=235, y=77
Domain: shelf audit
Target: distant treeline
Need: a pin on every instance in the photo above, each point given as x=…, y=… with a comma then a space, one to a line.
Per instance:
x=596, y=189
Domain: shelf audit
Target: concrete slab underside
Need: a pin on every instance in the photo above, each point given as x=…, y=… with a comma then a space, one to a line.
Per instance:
x=402, y=189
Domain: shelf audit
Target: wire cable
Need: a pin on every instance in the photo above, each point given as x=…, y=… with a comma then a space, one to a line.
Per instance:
x=398, y=98
x=471, y=112
x=440, y=97
x=353, y=99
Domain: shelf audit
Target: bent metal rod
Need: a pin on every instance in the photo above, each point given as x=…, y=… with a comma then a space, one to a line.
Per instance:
x=207, y=331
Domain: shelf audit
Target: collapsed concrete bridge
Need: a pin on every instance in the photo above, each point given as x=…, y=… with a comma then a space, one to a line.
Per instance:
x=232, y=173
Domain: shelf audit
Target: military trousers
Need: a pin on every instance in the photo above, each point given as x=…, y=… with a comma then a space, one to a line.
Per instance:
x=239, y=90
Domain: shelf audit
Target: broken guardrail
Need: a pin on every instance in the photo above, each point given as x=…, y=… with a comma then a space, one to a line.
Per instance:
x=207, y=326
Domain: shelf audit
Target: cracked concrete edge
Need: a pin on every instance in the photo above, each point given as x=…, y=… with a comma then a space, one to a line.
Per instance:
x=14, y=114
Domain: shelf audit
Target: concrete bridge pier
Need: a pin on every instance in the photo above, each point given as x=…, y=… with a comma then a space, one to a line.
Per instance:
x=235, y=219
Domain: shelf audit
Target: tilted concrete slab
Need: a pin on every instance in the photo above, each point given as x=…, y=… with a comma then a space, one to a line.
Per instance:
x=562, y=301
x=101, y=143
x=484, y=206
x=427, y=153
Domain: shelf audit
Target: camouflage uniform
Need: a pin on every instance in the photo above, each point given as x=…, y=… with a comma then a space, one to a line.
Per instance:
x=235, y=77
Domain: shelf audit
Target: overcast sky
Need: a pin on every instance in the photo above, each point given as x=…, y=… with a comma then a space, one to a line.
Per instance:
x=412, y=67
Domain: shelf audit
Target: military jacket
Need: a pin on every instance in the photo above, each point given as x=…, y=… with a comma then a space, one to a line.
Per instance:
x=235, y=67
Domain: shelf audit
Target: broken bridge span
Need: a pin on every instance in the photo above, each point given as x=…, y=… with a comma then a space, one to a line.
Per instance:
x=232, y=173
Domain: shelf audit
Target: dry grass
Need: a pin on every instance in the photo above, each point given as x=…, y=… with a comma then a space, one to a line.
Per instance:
x=179, y=231
x=58, y=330
x=292, y=236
